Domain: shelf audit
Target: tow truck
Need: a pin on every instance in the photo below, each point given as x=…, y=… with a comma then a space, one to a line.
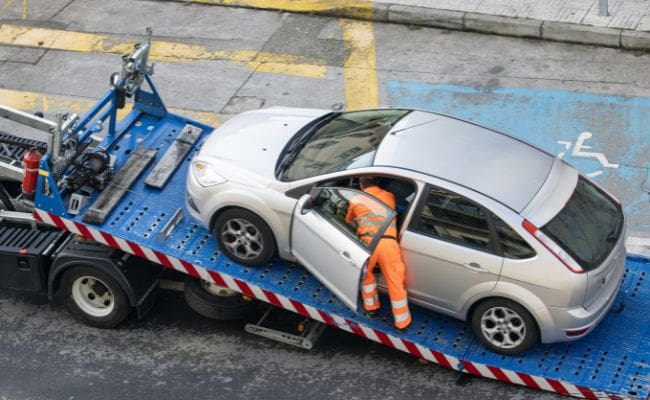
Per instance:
x=100, y=221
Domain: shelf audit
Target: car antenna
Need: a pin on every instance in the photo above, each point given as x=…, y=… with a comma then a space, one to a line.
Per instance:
x=413, y=126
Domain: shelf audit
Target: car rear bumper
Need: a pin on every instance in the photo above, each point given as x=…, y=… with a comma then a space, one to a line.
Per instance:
x=574, y=323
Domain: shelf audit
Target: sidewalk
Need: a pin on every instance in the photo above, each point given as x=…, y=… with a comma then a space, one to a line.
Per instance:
x=577, y=21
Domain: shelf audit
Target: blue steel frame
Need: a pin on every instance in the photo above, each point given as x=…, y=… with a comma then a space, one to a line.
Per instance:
x=49, y=196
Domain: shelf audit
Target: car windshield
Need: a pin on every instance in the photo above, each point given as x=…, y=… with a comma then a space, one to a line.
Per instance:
x=342, y=141
x=588, y=227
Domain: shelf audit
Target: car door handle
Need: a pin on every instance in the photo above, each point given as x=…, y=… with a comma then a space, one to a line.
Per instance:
x=475, y=267
x=346, y=256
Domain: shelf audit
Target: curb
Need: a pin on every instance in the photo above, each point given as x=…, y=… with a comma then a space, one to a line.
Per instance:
x=520, y=27
x=463, y=21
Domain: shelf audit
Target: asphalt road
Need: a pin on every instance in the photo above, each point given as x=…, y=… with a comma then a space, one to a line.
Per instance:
x=57, y=55
x=176, y=354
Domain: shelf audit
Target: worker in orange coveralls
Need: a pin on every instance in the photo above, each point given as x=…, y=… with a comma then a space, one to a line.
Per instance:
x=387, y=253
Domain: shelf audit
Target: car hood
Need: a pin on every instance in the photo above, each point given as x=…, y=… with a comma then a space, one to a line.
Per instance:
x=246, y=147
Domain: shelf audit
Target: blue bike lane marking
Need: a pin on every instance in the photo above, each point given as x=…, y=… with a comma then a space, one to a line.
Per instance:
x=605, y=137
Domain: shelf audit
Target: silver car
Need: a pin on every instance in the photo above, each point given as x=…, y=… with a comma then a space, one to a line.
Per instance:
x=492, y=229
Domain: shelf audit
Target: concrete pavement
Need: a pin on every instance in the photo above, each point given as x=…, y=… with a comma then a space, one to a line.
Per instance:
x=626, y=25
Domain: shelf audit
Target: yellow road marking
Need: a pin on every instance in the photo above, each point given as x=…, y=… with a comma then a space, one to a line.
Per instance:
x=206, y=117
x=360, y=72
x=353, y=8
x=56, y=39
x=360, y=69
x=8, y=3
x=33, y=101
x=24, y=9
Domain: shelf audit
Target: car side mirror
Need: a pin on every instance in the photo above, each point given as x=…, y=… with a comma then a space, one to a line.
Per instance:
x=315, y=192
x=305, y=204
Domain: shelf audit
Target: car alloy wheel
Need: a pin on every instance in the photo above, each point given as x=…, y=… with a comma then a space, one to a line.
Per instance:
x=244, y=237
x=504, y=326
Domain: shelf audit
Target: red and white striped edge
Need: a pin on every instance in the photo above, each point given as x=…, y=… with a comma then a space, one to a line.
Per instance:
x=277, y=300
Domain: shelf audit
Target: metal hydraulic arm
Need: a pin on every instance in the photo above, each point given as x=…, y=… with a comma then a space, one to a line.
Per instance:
x=135, y=67
x=55, y=132
x=85, y=165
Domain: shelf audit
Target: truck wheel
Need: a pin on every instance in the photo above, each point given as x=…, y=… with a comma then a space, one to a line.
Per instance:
x=244, y=237
x=504, y=326
x=94, y=297
x=216, y=302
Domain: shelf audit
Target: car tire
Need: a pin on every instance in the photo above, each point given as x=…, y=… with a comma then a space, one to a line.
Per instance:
x=504, y=326
x=244, y=237
x=94, y=297
x=216, y=302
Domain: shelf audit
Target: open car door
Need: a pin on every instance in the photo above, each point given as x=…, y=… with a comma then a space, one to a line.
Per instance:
x=328, y=246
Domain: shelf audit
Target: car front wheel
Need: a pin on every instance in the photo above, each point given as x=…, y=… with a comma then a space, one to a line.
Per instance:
x=504, y=326
x=244, y=237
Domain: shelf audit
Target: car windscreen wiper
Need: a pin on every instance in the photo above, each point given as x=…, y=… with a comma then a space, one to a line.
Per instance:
x=615, y=233
x=297, y=142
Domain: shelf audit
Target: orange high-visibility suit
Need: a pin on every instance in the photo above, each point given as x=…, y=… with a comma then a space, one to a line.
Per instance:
x=387, y=254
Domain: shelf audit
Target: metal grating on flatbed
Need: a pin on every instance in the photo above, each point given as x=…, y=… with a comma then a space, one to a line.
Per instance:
x=613, y=361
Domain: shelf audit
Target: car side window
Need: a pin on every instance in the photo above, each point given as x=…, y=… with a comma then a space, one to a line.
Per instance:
x=360, y=216
x=512, y=245
x=333, y=204
x=454, y=218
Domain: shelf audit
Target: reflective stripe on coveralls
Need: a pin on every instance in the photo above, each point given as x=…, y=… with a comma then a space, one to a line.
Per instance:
x=400, y=310
x=370, y=296
x=387, y=254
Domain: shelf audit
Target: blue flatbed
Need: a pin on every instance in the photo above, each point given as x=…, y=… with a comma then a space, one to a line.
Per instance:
x=611, y=362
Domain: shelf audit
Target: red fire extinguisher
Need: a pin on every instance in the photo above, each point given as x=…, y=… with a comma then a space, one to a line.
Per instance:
x=31, y=160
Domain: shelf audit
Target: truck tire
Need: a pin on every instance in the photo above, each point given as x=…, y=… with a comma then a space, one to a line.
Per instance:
x=94, y=297
x=216, y=302
x=244, y=237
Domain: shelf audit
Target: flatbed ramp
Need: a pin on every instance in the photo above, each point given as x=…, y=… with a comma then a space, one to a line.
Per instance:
x=611, y=362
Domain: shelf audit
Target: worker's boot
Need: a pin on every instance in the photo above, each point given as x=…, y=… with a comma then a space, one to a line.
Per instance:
x=404, y=329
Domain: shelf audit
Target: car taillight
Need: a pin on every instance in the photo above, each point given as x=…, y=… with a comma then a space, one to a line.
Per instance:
x=557, y=251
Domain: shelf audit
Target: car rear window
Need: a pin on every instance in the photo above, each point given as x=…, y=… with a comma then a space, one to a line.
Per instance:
x=588, y=227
